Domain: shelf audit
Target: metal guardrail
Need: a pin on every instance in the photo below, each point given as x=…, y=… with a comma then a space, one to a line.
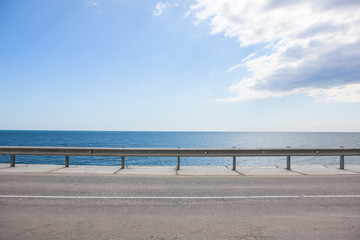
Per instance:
x=177, y=152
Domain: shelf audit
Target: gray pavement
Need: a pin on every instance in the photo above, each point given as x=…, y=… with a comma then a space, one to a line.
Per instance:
x=267, y=171
x=145, y=170
x=113, y=206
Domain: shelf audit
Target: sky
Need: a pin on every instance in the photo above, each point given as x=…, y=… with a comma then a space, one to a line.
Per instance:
x=192, y=65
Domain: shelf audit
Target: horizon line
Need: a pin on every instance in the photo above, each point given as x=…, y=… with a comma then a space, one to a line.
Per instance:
x=204, y=131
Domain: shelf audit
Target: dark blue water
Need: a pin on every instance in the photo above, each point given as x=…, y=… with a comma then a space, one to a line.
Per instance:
x=178, y=139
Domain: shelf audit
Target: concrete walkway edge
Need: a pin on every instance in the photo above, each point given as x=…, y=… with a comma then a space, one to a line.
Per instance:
x=184, y=170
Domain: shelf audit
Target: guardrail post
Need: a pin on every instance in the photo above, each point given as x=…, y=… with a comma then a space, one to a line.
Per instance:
x=288, y=162
x=234, y=163
x=66, y=161
x=342, y=162
x=122, y=162
x=12, y=161
x=178, y=163
x=342, y=159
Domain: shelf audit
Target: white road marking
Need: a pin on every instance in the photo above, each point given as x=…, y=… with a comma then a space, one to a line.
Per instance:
x=180, y=197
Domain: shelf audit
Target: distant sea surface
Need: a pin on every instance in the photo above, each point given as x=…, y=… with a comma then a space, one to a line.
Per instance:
x=175, y=140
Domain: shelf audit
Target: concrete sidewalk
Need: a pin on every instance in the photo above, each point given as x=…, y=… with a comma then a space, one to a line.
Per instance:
x=185, y=170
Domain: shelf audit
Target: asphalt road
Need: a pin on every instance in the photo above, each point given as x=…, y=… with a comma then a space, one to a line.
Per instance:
x=64, y=206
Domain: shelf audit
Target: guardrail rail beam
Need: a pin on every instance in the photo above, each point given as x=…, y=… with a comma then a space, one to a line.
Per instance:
x=177, y=152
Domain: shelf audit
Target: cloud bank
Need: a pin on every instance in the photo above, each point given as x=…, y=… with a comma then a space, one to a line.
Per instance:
x=313, y=47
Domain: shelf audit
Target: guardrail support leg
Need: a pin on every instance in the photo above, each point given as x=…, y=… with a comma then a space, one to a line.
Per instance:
x=288, y=162
x=66, y=161
x=342, y=162
x=178, y=163
x=12, y=161
x=234, y=163
x=122, y=162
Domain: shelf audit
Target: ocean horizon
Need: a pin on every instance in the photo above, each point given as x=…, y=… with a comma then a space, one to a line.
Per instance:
x=178, y=139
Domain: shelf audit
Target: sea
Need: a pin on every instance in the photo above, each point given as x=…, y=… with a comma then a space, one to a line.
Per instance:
x=134, y=139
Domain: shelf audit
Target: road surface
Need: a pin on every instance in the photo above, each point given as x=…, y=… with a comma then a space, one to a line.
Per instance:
x=87, y=206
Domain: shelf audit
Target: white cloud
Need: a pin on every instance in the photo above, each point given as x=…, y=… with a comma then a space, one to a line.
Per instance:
x=315, y=46
x=241, y=64
x=187, y=13
x=159, y=8
x=347, y=93
x=248, y=57
x=235, y=67
x=92, y=3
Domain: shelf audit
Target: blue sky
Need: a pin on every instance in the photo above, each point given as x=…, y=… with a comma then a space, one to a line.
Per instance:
x=196, y=65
